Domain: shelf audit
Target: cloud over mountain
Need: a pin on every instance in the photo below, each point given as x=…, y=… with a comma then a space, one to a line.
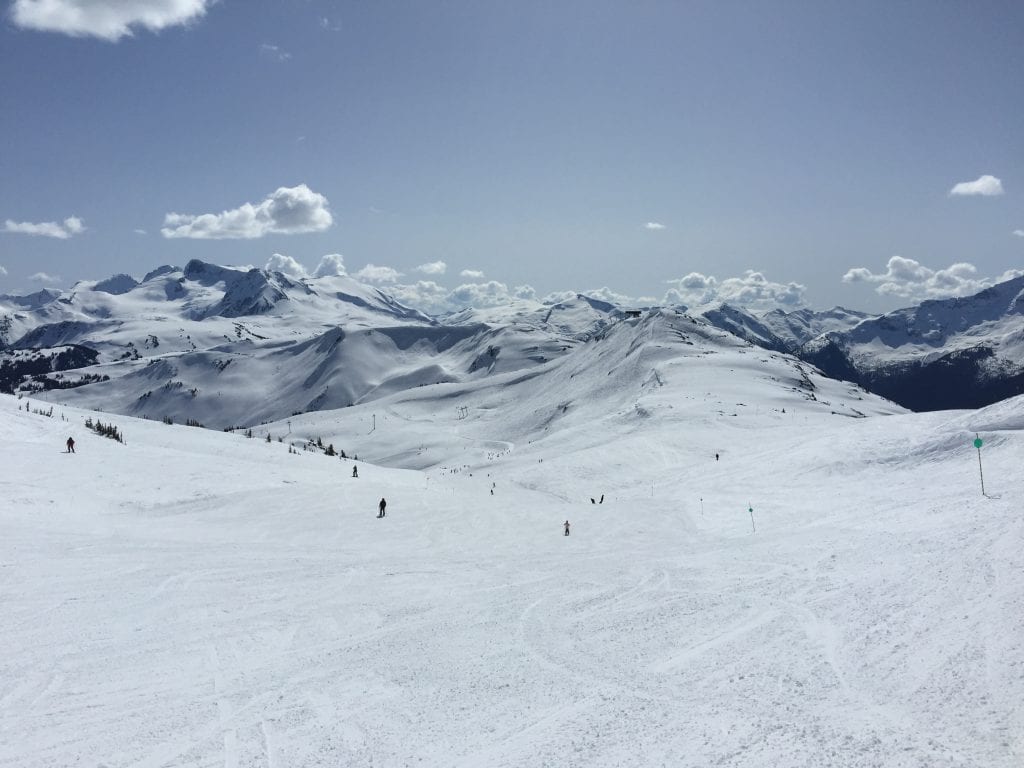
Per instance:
x=286, y=265
x=286, y=211
x=752, y=290
x=331, y=265
x=106, y=19
x=374, y=274
x=72, y=225
x=909, y=279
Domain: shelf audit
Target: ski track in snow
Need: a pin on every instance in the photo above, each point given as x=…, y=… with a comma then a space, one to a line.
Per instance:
x=203, y=600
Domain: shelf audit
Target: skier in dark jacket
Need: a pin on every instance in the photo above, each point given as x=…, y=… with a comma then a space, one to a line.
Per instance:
x=566, y=527
x=71, y=445
x=382, y=506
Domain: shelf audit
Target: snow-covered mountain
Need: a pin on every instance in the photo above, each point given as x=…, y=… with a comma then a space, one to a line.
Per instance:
x=949, y=353
x=195, y=307
x=779, y=330
x=229, y=346
x=800, y=326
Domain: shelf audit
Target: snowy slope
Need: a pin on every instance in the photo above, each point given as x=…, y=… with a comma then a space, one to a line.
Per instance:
x=195, y=598
x=667, y=369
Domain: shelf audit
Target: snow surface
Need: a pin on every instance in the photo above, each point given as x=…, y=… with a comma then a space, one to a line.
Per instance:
x=196, y=598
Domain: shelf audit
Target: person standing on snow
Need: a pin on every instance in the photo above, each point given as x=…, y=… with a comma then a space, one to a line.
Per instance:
x=71, y=445
x=382, y=506
x=566, y=527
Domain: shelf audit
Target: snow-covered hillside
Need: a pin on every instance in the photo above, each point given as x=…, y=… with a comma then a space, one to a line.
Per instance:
x=964, y=352
x=228, y=347
x=195, y=598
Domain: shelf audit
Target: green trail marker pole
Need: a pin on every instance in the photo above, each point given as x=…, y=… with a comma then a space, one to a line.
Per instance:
x=753, y=528
x=977, y=444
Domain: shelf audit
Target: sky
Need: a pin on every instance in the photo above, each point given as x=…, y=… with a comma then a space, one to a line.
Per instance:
x=769, y=154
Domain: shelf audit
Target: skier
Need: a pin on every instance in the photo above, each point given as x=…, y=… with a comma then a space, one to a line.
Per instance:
x=602, y=499
x=716, y=457
x=383, y=504
x=355, y=471
x=71, y=445
x=566, y=527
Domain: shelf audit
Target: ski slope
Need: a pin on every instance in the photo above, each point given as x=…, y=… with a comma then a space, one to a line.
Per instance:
x=196, y=598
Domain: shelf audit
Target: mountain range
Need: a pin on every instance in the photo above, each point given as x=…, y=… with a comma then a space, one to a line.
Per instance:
x=227, y=346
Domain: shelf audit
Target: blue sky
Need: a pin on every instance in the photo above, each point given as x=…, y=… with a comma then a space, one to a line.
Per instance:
x=754, y=152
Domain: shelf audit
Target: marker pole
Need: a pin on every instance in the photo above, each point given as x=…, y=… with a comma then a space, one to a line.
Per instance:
x=977, y=444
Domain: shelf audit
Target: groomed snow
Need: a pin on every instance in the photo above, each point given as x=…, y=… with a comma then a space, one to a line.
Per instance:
x=195, y=598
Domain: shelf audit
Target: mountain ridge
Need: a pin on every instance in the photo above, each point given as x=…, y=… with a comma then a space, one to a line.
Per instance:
x=963, y=352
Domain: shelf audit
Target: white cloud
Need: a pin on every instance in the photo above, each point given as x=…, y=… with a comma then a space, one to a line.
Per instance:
x=429, y=296
x=692, y=289
x=330, y=26
x=1019, y=232
x=287, y=266
x=984, y=185
x=433, y=268
x=525, y=292
x=753, y=291
x=107, y=19
x=140, y=231
x=489, y=294
x=654, y=225
x=72, y=225
x=43, y=277
x=331, y=265
x=274, y=52
x=287, y=211
x=909, y=279
x=472, y=274
x=424, y=295
x=375, y=274
x=3, y=271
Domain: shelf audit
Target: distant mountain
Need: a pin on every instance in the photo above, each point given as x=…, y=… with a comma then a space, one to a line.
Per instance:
x=226, y=347
x=779, y=330
x=800, y=326
x=943, y=354
x=949, y=353
x=231, y=346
